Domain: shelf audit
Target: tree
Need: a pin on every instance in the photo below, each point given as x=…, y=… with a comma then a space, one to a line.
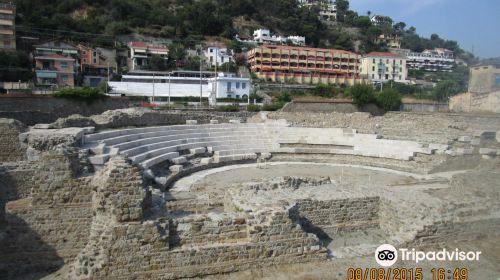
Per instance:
x=389, y=100
x=446, y=89
x=342, y=9
x=176, y=51
x=361, y=94
x=157, y=63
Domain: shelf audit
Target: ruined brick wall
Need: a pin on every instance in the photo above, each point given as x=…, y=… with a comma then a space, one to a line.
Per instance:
x=335, y=216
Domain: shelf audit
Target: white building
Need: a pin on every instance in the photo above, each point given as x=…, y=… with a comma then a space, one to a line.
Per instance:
x=162, y=85
x=379, y=20
x=437, y=60
x=327, y=9
x=228, y=86
x=264, y=36
x=217, y=56
x=380, y=67
x=141, y=52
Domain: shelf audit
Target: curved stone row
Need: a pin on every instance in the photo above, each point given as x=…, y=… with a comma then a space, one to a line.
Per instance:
x=150, y=146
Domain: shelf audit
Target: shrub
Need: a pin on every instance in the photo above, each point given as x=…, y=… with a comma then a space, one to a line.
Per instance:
x=389, y=100
x=85, y=94
x=228, y=108
x=361, y=94
x=255, y=97
x=275, y=106
x=253, y=108
x=325, y=90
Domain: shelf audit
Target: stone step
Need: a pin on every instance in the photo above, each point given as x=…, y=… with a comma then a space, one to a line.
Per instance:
x=159, y=159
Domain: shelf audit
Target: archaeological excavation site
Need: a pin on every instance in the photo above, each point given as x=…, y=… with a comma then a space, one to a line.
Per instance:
x=142, y=194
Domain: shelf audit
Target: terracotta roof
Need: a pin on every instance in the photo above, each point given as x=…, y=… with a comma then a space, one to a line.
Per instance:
x=384, y=54
x=144, y=45
x=305, y=49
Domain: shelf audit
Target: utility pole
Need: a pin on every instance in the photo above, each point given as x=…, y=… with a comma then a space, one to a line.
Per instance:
x=169, y=74
x=201, y=83
x=107, y=82
x=216, y=83
x=153, y=89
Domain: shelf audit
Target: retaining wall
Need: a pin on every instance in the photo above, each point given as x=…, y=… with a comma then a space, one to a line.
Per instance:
x=33, y=109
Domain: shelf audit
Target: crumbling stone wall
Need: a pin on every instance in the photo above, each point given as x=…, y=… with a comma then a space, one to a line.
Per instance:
x=10, y=149
x=424, y=127
x=146, y=117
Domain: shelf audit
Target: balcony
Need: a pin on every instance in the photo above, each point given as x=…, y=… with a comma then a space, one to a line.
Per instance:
x=46, y=74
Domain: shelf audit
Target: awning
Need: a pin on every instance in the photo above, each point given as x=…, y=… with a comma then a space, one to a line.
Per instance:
x=46, y=74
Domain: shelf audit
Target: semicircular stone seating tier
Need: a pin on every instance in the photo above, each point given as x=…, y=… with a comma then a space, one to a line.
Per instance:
x=150, y=146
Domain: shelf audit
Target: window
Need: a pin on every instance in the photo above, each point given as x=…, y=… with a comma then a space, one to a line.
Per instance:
x=373, y=76
x=243, y=85
x=64, y=78
x=237, y=96
x=211, y=50
x=46, y=65
x=373, y=68
x=64, y=65
x=374, y=60
x=222, y=59
x=228, y=86
x=237, y=85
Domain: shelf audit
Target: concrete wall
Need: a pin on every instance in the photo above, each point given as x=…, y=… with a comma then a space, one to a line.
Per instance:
x=31, y=109
x=476, y=102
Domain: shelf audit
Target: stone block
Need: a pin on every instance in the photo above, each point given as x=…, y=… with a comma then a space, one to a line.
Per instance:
x=175, y=168
x=197, y=151
x=214, y=121
x=206, y=161
x=266, y=155
x=179, y=160
x=465, y=139
x=476, y=141
x=235, y=121
x=489, y=152
x=191, y=122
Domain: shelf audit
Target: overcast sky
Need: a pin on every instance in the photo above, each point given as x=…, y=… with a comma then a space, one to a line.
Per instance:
x=473, y=23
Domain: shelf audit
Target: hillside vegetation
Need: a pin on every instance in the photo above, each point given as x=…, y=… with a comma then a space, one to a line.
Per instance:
x=192, y=20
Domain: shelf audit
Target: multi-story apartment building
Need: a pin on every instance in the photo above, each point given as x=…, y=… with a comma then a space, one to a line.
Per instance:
x=327, y=9
x=96, y=64
x=56, y=64
x=437, y=60
x=217, y=56
x=380, y=67
x=141, y=52
x=305, y=65
x=7, y=26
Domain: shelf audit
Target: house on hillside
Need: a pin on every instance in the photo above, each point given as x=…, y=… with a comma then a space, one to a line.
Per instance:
x=215, y=55
x=379, y=20
x=327, y=9
x=56, y=64
x=140, y=54
x=96, y=64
